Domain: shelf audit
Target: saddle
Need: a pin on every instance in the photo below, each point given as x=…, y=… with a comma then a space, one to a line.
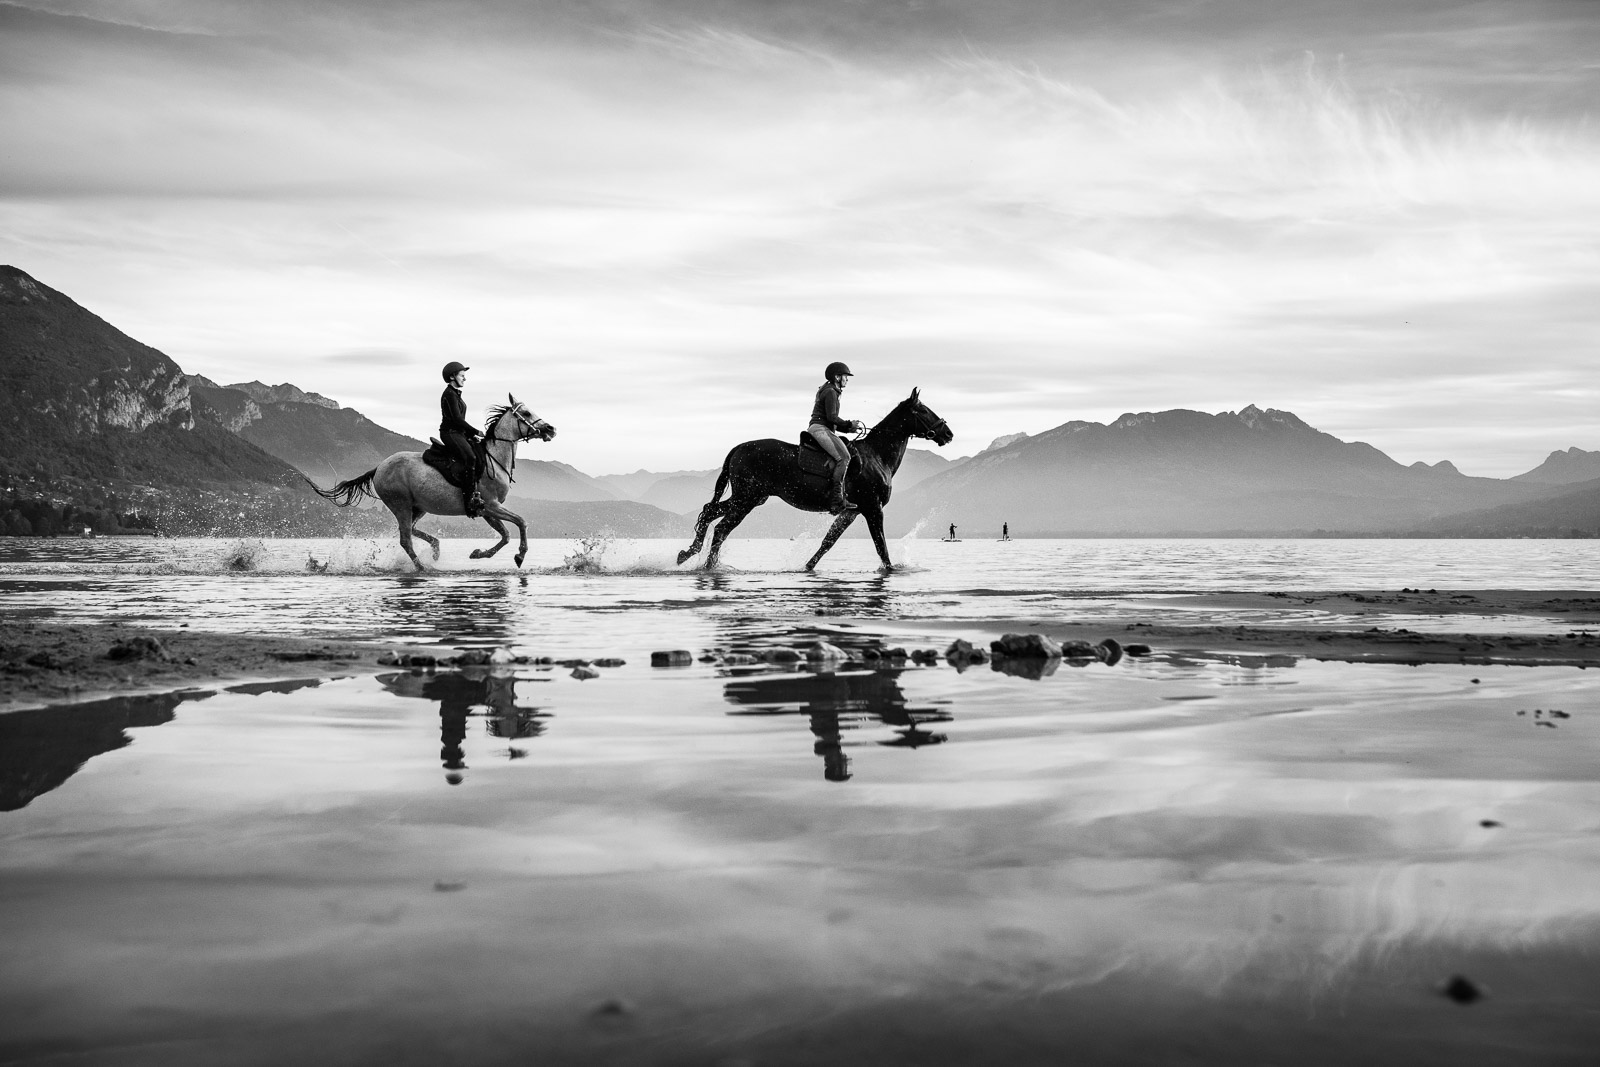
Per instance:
x=444, y=460
x=813, y=460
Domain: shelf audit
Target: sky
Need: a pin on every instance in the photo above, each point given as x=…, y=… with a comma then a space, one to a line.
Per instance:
x=656, y=222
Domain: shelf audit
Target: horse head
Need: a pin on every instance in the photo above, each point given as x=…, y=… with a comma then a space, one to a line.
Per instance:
x=528, y=424
x=925, y=423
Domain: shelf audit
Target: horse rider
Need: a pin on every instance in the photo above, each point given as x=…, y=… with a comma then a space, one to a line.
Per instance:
x=458, y=434
x=825, y=427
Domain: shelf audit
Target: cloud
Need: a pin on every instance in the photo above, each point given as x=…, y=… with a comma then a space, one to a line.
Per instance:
x=371, y=357
x=708, y=204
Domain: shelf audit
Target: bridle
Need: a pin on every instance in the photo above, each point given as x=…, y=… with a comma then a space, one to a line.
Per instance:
x=531, y=428
x=929, y=430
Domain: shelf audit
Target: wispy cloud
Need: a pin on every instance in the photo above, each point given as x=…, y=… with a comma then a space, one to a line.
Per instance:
x=1037, y=226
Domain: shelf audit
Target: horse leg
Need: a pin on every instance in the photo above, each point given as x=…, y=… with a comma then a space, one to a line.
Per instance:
x=713, y=509
x=490, y=516
x=708, y=514
x=402, y=517
x=433, y=542
x=840, y=525
x=497, y=517
x=734, y=512
x=875, y=527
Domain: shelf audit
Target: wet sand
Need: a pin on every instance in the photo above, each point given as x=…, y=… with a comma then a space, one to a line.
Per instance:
x=44, y=663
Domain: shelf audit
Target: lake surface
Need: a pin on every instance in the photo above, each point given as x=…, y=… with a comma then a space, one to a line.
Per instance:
x=1175, y=859
x=576, y=597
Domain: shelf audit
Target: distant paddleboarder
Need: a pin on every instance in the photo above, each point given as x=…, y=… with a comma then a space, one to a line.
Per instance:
x=1005, y=531
x=952, y=531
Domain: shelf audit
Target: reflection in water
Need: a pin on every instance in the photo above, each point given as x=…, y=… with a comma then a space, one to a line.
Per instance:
x=834, y=703
x=463, y=609
x=257, y=688
x=43, y=747
x=465, y=693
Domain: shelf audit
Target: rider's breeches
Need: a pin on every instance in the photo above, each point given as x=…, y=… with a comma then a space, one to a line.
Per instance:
x=830, y=442
x=834, y=447
x=461, y=445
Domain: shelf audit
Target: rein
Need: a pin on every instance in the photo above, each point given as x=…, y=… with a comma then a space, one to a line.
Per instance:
x=494, y=435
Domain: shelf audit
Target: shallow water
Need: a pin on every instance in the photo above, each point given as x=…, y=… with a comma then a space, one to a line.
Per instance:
x=704, y=864
x=572, y=596
x=1213, y=859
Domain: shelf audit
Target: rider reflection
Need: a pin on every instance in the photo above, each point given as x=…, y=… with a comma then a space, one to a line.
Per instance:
x=459, y=696
x=834, y=703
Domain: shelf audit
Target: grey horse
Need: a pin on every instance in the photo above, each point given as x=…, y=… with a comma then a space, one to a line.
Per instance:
x=411, y=488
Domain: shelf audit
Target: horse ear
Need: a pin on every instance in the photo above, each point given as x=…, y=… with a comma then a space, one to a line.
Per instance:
x=512, y=399
x=915, y=392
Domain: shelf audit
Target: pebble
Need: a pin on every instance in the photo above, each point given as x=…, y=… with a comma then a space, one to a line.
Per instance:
x=677, y=657
x=1028, y=646
x=962, y=651
x=781, y=655
x=1460, y=989
x=823, y=652
x=138, y=648
x=610, y=661
x=582, y=673
x=1136, y=650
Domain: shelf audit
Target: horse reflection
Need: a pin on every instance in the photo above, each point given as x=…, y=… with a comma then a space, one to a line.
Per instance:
x=834, y=703
x=457, y=608
x=462, y=694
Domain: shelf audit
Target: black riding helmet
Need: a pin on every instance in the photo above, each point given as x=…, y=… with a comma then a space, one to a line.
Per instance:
x=452, y=369
x=835, y=369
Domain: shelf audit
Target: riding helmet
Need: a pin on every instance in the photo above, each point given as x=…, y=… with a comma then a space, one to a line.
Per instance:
x=452, y=369
x=835, y=369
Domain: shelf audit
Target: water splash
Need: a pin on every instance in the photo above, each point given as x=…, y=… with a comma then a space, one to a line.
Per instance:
x=244, y=556
x=589, y=557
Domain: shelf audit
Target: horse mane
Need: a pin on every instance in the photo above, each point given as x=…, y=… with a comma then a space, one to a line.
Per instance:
x=888, y=420
x=496, y=413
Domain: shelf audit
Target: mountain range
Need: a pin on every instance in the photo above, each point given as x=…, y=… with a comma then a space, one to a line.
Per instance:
x=93, y=414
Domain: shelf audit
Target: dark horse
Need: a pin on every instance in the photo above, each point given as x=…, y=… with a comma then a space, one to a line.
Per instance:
x=759, y=469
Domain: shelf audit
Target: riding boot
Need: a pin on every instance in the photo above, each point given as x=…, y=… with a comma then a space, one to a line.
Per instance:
x=838, y=503
x=473, y=502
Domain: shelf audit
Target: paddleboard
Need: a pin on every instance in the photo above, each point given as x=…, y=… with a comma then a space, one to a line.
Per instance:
x=951, y=540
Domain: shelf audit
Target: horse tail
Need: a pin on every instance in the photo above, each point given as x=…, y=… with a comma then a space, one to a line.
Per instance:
x=722, y=480
x=348, y=491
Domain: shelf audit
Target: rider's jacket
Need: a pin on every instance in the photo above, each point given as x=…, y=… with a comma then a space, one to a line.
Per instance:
x=453, y=410
x=826, y=410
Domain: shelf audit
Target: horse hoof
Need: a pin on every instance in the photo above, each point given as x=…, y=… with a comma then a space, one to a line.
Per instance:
x=477, y=553
x=683, y=556
x=518, y=559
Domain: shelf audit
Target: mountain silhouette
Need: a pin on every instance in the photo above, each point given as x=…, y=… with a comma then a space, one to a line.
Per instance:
x=1189, y=472
x=86, y=402
x=1574, y=511
x=1564, y=468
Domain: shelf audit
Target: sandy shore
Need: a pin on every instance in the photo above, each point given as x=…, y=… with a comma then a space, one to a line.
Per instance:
x=44, y=663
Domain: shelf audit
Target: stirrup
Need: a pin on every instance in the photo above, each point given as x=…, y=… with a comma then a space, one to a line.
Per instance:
x=474, y=504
